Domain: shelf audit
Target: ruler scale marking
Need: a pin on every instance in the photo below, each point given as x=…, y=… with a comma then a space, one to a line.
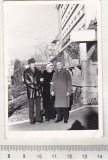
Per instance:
x=65, y=152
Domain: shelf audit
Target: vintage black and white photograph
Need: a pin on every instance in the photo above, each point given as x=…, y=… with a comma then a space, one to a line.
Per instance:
x=52, y=61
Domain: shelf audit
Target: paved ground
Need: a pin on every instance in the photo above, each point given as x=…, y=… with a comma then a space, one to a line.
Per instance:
x=19, y=115
x=86, y=115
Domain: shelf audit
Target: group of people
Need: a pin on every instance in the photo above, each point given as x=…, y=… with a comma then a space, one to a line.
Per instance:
x=53, y=86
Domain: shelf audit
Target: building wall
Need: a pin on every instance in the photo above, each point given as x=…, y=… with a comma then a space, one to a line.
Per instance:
x=71, y=17
x=76, y=17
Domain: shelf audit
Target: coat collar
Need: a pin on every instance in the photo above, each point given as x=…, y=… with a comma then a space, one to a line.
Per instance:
x=30, y=70
x=60, y=70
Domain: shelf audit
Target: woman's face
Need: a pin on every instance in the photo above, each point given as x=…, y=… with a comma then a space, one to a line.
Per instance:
x=50, y=68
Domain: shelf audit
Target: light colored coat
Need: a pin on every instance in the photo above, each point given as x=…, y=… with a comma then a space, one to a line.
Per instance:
x=61, y=84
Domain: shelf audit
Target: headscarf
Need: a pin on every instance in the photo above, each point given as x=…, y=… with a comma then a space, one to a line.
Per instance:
x=48, y=65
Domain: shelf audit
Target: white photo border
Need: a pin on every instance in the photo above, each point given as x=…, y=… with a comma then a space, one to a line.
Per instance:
x=58, y=134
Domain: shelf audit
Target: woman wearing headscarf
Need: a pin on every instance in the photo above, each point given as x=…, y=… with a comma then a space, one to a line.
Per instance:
x=48, y=102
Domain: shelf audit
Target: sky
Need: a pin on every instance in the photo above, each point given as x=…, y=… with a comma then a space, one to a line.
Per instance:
x=26, y=25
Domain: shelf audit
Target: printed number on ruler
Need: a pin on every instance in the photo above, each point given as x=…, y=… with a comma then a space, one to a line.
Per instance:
x=54, y=152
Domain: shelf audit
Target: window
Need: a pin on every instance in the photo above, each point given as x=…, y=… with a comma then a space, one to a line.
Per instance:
x=61, y=5
x=78, y=12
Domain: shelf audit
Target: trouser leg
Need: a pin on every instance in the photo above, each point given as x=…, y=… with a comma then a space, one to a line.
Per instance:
x=59, y=113
x=52, y=112
x=38, y=109
x=31, y=109
x=66, y=113
x=47, y=112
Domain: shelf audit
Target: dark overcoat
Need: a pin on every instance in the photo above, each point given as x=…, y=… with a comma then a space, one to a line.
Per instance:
x=46, y=88
x=33, y=83
x=61, y=84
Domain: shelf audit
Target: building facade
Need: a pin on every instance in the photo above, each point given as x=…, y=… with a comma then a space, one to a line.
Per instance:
x=78, y=46
x=71, y=17
x=74, y=21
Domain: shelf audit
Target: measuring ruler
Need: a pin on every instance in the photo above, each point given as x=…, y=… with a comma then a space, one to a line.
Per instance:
x=51, y=152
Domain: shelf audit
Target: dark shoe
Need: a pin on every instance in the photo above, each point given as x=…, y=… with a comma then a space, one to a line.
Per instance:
x=32, y=122
x=41, y=121
x=58, y=120
x=65, y=121
x=47, y=120
x=53, y=118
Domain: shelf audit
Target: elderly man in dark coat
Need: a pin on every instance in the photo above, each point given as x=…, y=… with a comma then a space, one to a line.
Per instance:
x=61, y=89
x=32, y=79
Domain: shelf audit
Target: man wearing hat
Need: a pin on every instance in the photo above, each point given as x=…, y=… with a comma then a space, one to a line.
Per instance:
x=32, y=79
x=61, y=89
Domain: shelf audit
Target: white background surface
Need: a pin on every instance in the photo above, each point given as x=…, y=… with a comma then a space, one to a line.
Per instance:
x=102, y=140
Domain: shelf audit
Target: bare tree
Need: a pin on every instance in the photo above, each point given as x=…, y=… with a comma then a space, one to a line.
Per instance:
x=40, y=51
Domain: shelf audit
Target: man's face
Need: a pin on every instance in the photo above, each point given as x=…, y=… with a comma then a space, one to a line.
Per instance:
x=32, y=65
x=59, y=65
